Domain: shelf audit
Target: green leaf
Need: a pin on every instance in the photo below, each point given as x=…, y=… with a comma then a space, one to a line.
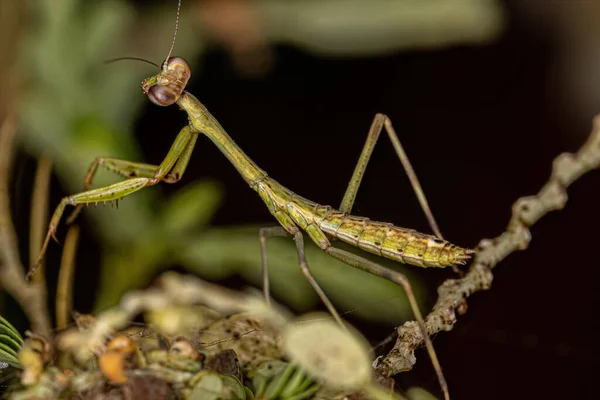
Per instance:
x=260, y=384
x=7, y=328
x=277, y=385
x=305, y=394
x=8, y=351
x=294, y=383
x=10, y=360
x=249, y=394
x=235, y=385
x=260, y=376
x=209, y=387
x=191, y=207
x=10, y=342
x=127, y=268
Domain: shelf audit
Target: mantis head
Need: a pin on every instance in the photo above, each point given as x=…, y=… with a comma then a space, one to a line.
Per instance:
x=165, y=88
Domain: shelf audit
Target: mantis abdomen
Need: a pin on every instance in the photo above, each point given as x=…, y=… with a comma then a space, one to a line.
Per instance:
x=387, y=240
x=381, y=238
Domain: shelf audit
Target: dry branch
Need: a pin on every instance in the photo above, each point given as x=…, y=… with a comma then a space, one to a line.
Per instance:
x=64, y=289
x=30, y=296
x=39, y=212
x=526, y=211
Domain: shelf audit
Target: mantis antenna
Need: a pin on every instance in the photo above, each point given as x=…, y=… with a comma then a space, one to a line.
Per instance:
x=174, y=37
x=112, y=60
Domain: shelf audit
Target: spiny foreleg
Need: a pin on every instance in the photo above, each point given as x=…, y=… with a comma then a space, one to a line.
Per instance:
x=175, y=162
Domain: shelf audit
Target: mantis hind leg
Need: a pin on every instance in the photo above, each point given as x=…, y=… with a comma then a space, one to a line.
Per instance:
x=299, y=239
x=379, y=122
x=399, y=278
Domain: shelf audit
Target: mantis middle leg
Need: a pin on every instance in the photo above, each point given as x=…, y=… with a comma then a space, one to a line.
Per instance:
x=176, y=161
x=299, y=239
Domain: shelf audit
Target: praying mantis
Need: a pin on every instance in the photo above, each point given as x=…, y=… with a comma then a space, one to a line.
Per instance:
x=295, y=214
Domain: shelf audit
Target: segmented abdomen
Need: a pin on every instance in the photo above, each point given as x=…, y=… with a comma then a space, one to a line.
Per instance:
x=384, y=239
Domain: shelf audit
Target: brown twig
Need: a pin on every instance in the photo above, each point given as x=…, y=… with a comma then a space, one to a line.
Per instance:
x=64, y=290
x=527, y=211
x=39, y=212
x=30, y=296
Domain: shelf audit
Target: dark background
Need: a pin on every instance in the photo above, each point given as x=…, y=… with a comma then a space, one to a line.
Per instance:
x=481, y=126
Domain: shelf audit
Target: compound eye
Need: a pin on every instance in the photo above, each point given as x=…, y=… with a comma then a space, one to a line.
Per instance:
x=178, y=60
x=181, y=69
x=161, y=96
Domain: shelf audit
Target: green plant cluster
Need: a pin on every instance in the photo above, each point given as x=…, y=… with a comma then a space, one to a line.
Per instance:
x=202, y=372
x=10, y=344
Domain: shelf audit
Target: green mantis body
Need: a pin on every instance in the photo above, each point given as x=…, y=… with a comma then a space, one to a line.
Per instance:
x=294, y=213
x=383, y=239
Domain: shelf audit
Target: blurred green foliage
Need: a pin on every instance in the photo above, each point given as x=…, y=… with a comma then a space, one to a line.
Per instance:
x=376, y=27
